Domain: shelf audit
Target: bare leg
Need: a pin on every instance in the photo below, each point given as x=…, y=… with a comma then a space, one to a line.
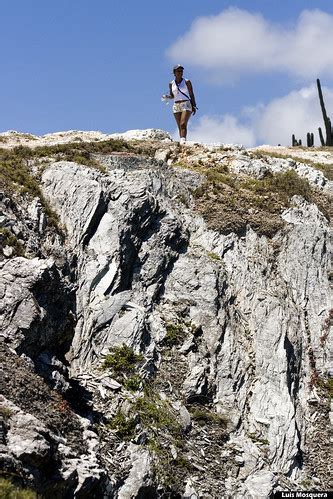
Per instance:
x=185, y=116
x=178, y=118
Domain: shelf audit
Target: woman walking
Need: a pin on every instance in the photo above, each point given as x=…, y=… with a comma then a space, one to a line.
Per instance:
x=181, y=91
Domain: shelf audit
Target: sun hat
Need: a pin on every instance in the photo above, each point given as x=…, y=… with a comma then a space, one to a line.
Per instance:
x=178, y=66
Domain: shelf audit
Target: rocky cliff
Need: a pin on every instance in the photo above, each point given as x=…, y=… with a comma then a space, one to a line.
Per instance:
x=165, y=317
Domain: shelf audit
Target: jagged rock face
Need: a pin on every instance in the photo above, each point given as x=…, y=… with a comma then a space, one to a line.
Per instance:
x=128, y=242
x=35, y=305
x=251, y=311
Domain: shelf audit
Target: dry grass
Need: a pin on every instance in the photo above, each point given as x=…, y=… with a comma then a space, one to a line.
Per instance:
x=230, y=202
x=15, y=165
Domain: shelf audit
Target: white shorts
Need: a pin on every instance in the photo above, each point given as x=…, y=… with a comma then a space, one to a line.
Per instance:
x=179, y=107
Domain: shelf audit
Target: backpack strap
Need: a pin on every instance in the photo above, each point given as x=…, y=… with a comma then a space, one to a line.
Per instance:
x=181, y=91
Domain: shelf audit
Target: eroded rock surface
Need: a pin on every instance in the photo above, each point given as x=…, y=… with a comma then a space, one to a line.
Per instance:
x=228, y=334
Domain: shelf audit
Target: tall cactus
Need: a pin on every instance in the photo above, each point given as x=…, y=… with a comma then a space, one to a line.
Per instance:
x=309, y=139
x=322, y=141
x=295, y=142
x=327, y=121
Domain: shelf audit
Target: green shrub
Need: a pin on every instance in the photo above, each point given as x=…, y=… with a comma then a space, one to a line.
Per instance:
x=168, y=470
x=206, y=417
x=175, y=334
x=5, y=412
x=10, y=491
x=154, y=411
x=287, y=184
x=133, y=383
x=256, y=439
x=15, y=176
x=14, y=162
x=125, y=427
x=326, y=384
x=213, y=256
x=122, y=360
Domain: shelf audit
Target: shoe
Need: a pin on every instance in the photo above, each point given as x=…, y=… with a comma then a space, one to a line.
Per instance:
x=182, y=141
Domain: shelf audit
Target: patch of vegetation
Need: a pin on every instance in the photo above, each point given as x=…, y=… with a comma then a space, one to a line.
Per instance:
x=124, y=426
x=122, y=360
x=207, y=417
x=15, y=171
x=175, y=334
x=166, y=441
x=23, y=135
x=133, y=383
x=83, y=150
x=306, y=484
x=5, y=412
x=214, y=256
x=326, y=385
x=169, y=470
x=10, y=491
x=7, y=238
x=257, y=439
x=15, y=176
x=153, y=411
x=150, y=412
x=285, y=184
x=230, y=202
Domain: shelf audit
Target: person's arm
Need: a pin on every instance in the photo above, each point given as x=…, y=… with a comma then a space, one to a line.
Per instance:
x=170, y=96
x=190, y=89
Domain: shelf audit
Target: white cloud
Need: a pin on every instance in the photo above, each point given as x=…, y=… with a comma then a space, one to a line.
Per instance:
x=236, y=41
x=298, y=112
x=226, y=129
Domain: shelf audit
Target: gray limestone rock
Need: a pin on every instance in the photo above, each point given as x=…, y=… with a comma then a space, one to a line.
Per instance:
x=35, y=305
x=140, y=476
x=27, y=439
x=235, y=328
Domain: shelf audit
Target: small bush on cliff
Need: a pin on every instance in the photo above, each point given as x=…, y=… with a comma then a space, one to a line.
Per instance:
x=82, y=152
x=326, y=385
x=124, y=426
x=10, y=491
x=133, y=383
x=155, y=412
x=175, y=334
x=15, y=175
x=15, y=162
x=122, y=360
x=159, y=418
x=214, y=256
x=169, y=470
x=5, y=412
x=207, y=417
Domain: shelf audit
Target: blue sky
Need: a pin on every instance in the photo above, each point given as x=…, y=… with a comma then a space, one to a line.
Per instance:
x=103, y=65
